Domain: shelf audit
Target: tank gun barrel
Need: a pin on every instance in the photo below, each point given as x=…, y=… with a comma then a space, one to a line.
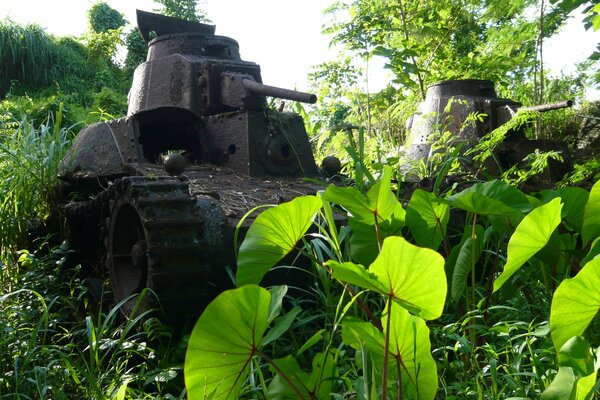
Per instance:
x=273, y=91
x=550, y=106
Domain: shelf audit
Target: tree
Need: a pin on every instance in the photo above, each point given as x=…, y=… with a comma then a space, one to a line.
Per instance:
x=103, y=18
x=137, y=51
x=184, y=9
x=427, y=41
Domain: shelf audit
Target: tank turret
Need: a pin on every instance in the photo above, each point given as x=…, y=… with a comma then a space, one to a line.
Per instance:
x=449, y=104
x=195, y=95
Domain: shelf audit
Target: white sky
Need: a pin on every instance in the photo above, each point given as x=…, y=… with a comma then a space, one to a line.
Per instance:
x=282, y=36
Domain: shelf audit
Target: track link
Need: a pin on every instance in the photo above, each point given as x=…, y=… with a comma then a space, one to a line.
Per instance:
x=162, y=238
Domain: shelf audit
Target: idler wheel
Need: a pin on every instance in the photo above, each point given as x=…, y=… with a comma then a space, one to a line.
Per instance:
x=126, y=259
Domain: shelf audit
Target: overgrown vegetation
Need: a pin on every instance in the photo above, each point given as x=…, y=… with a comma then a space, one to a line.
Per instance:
x=452, y=285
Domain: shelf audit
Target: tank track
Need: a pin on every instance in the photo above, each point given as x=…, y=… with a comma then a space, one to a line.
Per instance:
x=162, y=238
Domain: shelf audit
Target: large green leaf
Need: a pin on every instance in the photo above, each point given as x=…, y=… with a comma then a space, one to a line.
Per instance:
x=224, y=340
x=378, y=205
x=427, y=217
x=574, y=200
x=317, y=384
x=591, y=215
x=409, y=346
x=531, y=236
x=575, y=304
x=576, y=371
x=272, y=235
x=491, y=198
x=480, y=204
x=469, y=254
x=413, y=276
x=364, y=246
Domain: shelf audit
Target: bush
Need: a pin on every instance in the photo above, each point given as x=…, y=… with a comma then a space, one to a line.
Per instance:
x=110, y=102
x=30, y=158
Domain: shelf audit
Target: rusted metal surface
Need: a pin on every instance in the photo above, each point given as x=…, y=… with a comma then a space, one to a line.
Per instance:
x=160, y=25
x=447, y=106
x=265, y=90
x=550, y=106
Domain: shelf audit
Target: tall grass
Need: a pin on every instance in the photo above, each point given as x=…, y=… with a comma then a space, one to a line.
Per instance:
x=31, y=59
x=25, y=54
x=52, y=347
x=30, y=157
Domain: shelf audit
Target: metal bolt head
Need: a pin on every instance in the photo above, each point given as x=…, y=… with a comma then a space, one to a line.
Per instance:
x=331, y=165
x=174, y=164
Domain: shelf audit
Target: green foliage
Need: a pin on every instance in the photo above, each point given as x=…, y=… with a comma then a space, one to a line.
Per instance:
x=575, y=304
x=530, y=236
x=27, y=55
x=52, y=346
x=137, y=51
x=411, y=276
x=225, y=339
x=273, y=234
x=103, y=45
x=184, y=9
x=103, y=18
x=30, y=158
x=111, y=102
x=419, y=40
x=409, y=346
x=406, y=284
x=591, y=215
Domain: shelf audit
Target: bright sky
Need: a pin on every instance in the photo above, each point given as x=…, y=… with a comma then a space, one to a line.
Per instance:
x=282, y=36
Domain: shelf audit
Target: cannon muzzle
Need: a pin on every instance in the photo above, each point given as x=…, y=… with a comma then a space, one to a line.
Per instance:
x=550, y=106
x=273, y=91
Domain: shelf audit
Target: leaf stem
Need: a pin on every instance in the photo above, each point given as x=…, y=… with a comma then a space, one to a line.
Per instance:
x=386, y=350
x=377, y=232
x=473, y=244
x=283, y=375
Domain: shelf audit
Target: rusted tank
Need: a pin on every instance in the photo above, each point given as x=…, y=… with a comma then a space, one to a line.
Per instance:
x=158, y=193
x=448, y=106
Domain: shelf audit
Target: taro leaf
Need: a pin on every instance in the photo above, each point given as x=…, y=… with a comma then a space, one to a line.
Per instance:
x=574, y=200
x=576, y=373
x=272, y=236
x=277, y=295
x=531, y=236
x=562, y=386
x=281, y=325
x=378, y=204
x=483, y=205
x=413, y=276
x=594, y=251
x=591, y=215
x=363, y=241
x=381, y=199
x=224, y=340
x=577, y=354
x=482, y=197
x=469, y=254
x=575, y=304
x=317, y=384
x=409, y=346
x=352, y=200
x=427, y=217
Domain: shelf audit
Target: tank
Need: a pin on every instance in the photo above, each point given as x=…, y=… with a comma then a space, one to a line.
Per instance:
x=155, y=197
x=447, y=106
